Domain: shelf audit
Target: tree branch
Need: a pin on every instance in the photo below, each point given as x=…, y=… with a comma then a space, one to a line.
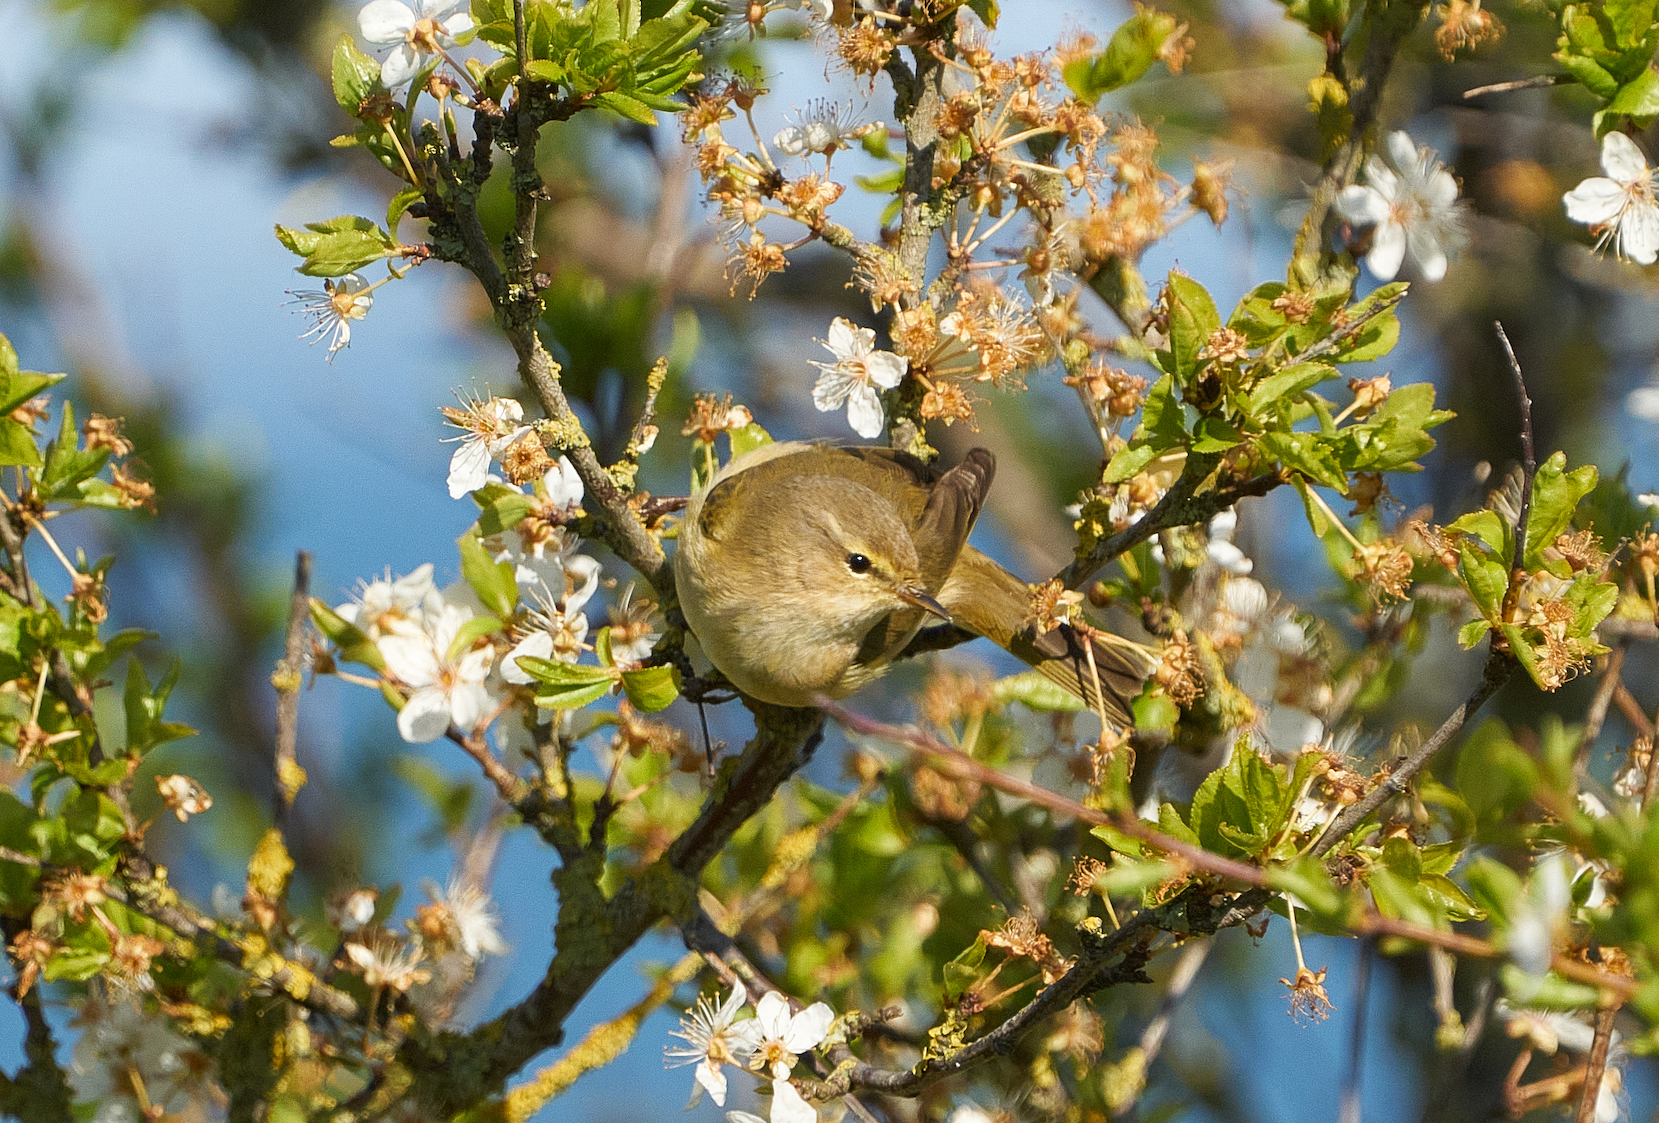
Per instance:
x=452, y=1071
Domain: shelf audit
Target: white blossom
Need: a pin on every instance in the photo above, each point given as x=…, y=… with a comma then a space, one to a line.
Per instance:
x=856, y=375
x=332, y=308
x=818, y=9
x=444, y=689
x=393, y=606
x=385, y=961
x=822, y=128
x=1540, y=915
x=558, y=631
x=712, y=1040
x=780, y=1037
x=489, y=428
x=632, y=632
x=564, y=486
x=429, y=28
x=119, y=1042
x=1620, y=206
x=475, y=917
x=1411, y=200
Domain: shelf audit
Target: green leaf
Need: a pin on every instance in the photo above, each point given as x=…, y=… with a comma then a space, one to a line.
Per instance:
x=1118, y=841
x=566, y=686
x=1318, y=520
x=986, y=10
x=1171, y=823
x=502, y=508
x=651, y=688
x=338, y=246
x=1287, y=383
x=1035, y=692
x=353, y=644
x=68, y=465
x=17, y=444
x=1495, y=776
x=1192, y=320
x=1313, y=888
x=1555, y=495
x=747, y=439
x=469, y=633
x=1490, y=527
x=490, y=579
x=1472, y=633
x=1130, y=53
x=1638, y=97
x=1486, y=579
x=1373, y=341
x=19, y=386
x=400, y=203
x=963, y=971
x=1548, y=991
x=630, y=107
x=356, y=76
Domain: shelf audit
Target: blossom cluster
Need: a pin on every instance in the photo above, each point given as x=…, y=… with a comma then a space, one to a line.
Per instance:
x=769, y=1044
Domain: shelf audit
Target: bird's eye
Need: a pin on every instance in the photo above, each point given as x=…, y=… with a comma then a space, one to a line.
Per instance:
x=858, y=563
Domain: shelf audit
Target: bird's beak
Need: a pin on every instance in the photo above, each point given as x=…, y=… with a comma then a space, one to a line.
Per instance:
x=921, y=598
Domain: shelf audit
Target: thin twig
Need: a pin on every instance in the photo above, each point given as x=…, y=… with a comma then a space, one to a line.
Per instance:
x=289, y=677
x=959, y=765
x=1529, y=461
x=1632, y=711
x=1597, y=714
x=1518, y=84
x=1498, y=668
x=1595, y=1070
x=1175, y=991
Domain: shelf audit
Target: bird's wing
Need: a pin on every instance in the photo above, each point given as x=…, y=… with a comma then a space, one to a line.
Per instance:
x=985, y=598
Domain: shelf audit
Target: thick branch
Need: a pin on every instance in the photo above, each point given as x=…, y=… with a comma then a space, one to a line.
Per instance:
x=453, y=1071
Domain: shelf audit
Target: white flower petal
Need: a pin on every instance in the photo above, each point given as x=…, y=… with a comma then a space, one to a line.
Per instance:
x=808, y=1028
x=469, y=468
x=710, y=1076
x=1639, y=232
x=564, y=486
x=411, y=658
x=1621, y=159
x=1361, y=206
x=847, y=340
x=886, y=369
x=400, y=66
x=831, y=389
x=425, y=717
x=537, y=645
x=468, y=702
x=864, y=411
x=385, y=22
x=1425, y=250
x=457, y=25
x=1595, y=202
x=1442, y=190
x=788, y=1106
x=1382, y=178
x=1402, y=150
x=435, y=9
x=772, y=1015
x=1388, y=251
x=791, y=141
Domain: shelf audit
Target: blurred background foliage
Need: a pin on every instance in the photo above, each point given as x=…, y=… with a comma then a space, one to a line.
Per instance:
x=637, y=270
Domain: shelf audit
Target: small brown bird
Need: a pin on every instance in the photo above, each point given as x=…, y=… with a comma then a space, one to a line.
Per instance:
x=805, y=569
